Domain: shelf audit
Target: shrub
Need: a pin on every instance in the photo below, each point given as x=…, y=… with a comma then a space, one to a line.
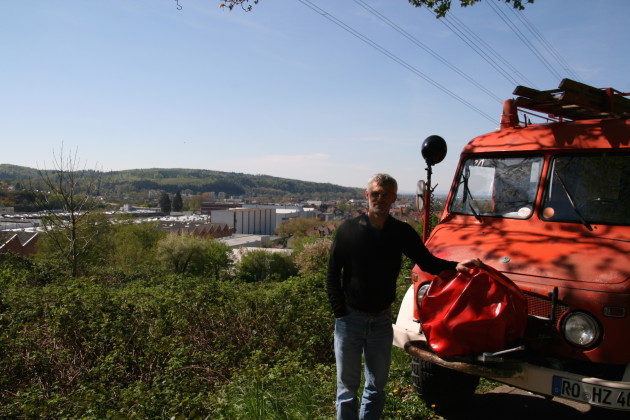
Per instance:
x=134, y=244
x=314, y=256
x=77, y=245
x=188, y=254
x=151, y=347
x=19, y=270
x=260, y=265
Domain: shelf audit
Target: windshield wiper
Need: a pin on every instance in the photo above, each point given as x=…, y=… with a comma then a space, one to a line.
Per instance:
x=468, y=194
x=572, y=201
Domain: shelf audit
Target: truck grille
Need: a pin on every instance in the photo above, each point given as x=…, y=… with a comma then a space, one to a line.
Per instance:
x=539, y=306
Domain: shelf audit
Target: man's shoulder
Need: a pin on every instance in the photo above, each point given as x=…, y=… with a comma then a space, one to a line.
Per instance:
x=360, y=219
x=353, y=223
x=398, y=226
x=394, y=222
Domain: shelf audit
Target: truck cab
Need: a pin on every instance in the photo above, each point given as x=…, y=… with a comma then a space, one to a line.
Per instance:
x=548, y=206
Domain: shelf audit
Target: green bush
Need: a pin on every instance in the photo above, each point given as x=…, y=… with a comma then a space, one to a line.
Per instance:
x=148, y=347
x=314, y=256
x=188, y=254
x=133, y=244
x=261, y=265
x=19, y=270
x=141, y=344
x=75, y=247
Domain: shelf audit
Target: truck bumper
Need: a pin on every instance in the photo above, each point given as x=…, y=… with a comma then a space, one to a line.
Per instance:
x=533, y=378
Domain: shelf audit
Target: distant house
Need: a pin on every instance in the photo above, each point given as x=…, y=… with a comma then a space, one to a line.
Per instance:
x=321, y=231
x=22, y=243
x=396, y=212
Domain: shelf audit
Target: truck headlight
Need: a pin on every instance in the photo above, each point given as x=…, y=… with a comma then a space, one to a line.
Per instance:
x=581, y=329
x=422, y=290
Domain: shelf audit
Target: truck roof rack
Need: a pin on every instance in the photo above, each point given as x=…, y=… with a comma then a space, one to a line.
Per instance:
x=574, y=101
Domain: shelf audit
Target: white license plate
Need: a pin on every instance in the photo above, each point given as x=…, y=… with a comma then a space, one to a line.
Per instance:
x=592, y=394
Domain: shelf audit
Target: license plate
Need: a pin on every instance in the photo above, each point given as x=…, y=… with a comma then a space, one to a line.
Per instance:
x=592, y=394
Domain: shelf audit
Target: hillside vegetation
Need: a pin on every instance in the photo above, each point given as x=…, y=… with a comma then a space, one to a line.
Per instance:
x=196, y=181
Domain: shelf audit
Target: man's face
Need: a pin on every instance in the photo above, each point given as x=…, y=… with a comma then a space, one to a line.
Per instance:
x=380, y=198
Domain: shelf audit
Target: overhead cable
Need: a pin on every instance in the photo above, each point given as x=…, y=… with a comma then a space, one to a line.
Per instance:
x=393, y=57
x=426, y=48
x=546, y=44
x=524, y=39
x=483, y=46
x=471, y=43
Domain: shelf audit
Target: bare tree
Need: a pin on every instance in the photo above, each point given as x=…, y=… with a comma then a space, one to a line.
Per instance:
x=66, y=195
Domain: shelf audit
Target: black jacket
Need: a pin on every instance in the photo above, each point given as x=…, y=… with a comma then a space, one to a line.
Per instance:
x=365, y=262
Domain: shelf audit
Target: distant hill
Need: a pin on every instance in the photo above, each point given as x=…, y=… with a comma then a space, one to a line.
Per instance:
x=197, y=181
x=14, y=172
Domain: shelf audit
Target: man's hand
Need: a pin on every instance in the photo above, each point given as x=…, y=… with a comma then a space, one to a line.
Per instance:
x=466, y=265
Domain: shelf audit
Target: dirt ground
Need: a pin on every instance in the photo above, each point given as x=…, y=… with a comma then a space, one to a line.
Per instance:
x=506, y=402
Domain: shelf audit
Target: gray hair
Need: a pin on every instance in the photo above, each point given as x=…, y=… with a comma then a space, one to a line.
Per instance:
x=384, y=180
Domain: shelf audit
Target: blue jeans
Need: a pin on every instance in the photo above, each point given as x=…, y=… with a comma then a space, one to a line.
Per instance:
x=356, y=335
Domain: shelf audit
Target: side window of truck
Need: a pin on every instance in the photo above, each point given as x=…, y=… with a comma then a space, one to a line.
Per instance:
x=498, y=187
x=588, y=188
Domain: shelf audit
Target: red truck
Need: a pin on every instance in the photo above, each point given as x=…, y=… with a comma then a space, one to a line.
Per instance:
x=548, y=206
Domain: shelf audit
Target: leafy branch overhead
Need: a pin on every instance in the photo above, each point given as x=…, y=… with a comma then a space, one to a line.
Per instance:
x=440, y=7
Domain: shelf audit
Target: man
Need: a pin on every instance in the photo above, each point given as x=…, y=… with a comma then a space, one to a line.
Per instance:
x=364, y=264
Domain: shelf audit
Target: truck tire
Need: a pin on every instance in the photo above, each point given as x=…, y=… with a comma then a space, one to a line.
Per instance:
x=441, y=386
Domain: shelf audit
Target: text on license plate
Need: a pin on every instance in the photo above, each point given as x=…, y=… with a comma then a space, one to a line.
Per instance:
x=590, y=393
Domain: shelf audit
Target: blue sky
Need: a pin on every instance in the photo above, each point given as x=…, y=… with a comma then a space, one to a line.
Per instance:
x=283, y=90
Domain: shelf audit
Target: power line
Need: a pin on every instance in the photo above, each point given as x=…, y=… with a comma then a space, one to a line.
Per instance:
x=393, y=57
x=483, y=45
x=546, y=44
x=426, y=48
x=471, y=43
x=524, y=39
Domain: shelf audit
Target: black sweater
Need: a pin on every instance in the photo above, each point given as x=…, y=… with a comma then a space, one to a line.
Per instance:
x=365, y=262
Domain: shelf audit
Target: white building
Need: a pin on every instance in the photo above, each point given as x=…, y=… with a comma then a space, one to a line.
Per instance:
x=285, y=212
x=253, y=221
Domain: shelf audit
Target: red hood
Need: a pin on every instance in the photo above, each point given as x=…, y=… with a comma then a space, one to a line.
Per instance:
x=565, y=253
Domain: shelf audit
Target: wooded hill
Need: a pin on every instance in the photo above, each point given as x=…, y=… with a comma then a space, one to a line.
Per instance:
x=195, y=181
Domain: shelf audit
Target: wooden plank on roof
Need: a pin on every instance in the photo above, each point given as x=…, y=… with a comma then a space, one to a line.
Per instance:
x=591, y=92
x=594, y=98
x=559, y=109
x=544, y=107
x=535, y=94
x=621, y=105
x=573, y=100
x=590, y=102
x=528, y=103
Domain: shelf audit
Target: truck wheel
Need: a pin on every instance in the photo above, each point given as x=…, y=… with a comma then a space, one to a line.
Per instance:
x=441, y=386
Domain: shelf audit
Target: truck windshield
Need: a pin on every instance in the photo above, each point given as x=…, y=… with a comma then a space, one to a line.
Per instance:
x=497, y=187
x=587, y=189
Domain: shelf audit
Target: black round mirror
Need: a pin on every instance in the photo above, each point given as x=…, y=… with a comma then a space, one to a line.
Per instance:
x=433, y=149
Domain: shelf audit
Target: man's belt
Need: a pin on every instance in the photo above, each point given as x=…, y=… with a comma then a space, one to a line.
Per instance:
x=377, y=313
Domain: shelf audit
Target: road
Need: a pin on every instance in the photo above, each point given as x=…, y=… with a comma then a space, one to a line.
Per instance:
x=506, y=402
